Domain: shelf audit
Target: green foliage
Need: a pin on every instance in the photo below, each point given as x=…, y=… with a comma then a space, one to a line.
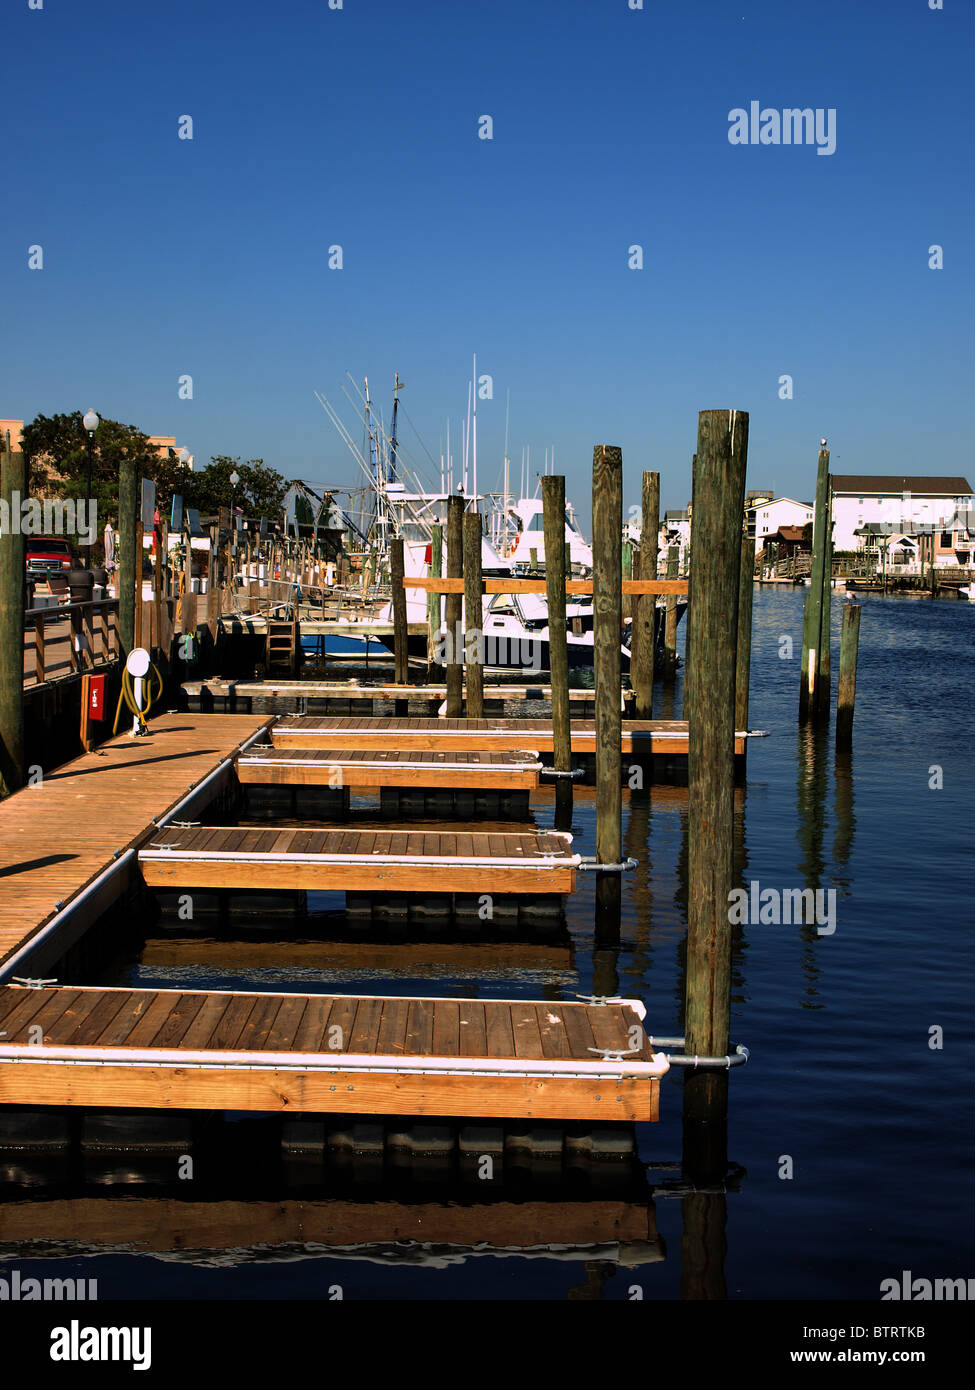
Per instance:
x=57, y=450
x=259, y=491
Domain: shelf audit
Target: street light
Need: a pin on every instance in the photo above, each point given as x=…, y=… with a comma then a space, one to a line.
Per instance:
x=234, y=480
x=91, y=423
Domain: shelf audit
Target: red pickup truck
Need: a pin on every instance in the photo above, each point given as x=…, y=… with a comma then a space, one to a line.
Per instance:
x=48, y=555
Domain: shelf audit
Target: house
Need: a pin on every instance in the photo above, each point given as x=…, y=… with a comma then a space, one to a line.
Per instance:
x=788, y=540
x=675, y=529
x=910, y=505
x=766, y=516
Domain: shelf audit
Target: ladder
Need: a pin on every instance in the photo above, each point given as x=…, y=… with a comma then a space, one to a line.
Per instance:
x=281, y=645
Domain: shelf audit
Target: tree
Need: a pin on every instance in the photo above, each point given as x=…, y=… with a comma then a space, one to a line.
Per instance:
x=57, y=450
x=260, y=490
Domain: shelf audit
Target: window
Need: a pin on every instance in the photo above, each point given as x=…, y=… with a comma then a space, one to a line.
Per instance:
x=945, y=540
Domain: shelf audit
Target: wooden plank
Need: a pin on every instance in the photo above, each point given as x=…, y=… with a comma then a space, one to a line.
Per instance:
x=446, y=1028
x=472, y=1029
x=524, y=1023
x=392, y=1027
x=431, y=585
x=499, y=1030
x=419, y=1028
x=361, y=1093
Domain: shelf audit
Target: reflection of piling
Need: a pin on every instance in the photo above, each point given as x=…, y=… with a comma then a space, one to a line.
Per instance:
x=719, y=491
x=846, y=694
x=553, y=503
x=454, y=607
x=128, y=508
x=474, y=617
x=746, y=586
x=812, y=623
x=397, y=573
x=607, y=528
x=644, y=605
x=13, y=478
x=434, y=601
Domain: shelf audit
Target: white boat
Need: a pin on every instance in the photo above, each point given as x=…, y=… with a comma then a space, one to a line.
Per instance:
x=967, y=591
x=526, y=517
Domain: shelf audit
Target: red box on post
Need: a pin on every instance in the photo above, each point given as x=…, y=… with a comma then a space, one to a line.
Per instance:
x=96, y=697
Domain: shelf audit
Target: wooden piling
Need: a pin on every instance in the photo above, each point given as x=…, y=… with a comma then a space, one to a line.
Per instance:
x=553, y=504
x=719, y=494
x=670, y=617
x=813, y=610
x=129, y=571
x=434, y=601
x=644, y=605
x=688, y=690
x=397, y=572
x=746, y=587
x=846, y=693
x=454, y=608
x=824, y=677
x=13, y=479
x=473, y=616
x=607, y=533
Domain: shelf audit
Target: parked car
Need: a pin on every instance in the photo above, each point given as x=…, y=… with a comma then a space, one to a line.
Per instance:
x=48, y=555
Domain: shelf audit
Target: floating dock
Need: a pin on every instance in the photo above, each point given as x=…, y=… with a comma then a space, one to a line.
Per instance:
x=504, y=770
x=68, y=842
x=174, y=1049
x=364, y=861
x=656, y=736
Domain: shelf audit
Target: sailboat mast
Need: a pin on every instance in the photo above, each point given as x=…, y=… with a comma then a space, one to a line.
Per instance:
x=477, y=505
x=392, y=442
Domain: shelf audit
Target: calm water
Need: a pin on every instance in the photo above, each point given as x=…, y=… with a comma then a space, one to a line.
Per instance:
x=842, y=1080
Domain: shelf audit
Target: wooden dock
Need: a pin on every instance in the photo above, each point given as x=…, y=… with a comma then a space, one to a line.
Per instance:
x=238, y=696
x=366, y=861
x=503, y=770
x=67, y=844
x=174, y=1049
x=657, y=736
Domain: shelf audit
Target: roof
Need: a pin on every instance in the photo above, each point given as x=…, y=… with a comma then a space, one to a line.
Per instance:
x=788, y=533
x=774, y=502
x=882, y=484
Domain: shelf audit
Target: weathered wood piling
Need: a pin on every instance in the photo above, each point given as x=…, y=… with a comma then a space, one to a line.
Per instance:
x=129, y=560
x=13, y=480
x=454, y=606
x=607, y=530
x=813, y=636
x=473, y=616
x=434, y=601
x=644, y=605
x=746, y=586
x=719, y=491
x=397, y=573
x=553, y=505
x=846, y=693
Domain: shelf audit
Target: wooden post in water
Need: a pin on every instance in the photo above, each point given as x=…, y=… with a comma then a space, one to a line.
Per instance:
x=813, y=610
x=743, y=660
x=846, y=694
x=397, y=573
x=434, y=601
x=688, y=691
x=670, y=617
x=473, y=616
x=719, y=494
x=553, y=504
x=824, y=680
x=644, y=605
x=130, y=534
x=13, y=479
x=607, y=535
x=454, y=608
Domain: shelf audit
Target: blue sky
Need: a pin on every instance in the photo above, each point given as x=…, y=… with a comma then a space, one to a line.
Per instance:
x=358, y=127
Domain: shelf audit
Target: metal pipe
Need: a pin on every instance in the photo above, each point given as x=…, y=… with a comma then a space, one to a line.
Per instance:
x=739, y=1059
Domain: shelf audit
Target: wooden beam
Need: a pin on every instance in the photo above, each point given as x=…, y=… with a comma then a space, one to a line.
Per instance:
x=433, y=585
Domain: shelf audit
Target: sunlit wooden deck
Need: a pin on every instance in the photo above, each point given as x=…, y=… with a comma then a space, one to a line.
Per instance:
x=663, y=736
x=365, y=861
x=348, y=767
x=327, y=1053
x=80, y=823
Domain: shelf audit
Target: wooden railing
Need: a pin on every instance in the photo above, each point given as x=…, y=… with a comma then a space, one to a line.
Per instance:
x=69, y=640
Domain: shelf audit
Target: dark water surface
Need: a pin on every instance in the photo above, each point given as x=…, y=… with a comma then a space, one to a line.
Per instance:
x=842, y=1080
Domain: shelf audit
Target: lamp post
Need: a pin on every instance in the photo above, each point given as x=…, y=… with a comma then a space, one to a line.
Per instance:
x=234, y=480
x=90, y=422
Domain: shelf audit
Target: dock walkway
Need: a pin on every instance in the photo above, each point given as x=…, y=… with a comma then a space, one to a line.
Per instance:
x=83, y=822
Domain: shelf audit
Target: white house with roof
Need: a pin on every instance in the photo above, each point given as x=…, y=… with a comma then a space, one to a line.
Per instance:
x=909, y=505
x=766, y=515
